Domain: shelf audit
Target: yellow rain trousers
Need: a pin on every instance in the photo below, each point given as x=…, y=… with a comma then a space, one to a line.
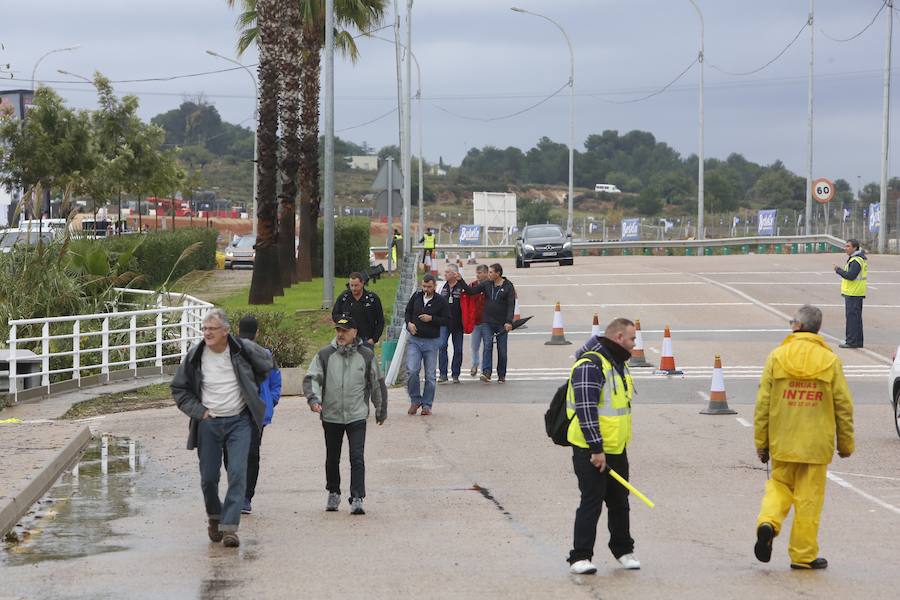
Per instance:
x=803, y=410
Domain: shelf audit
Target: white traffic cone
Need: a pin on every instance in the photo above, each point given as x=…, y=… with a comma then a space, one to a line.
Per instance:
x=667, y=361
x=595, y=327
x=718, y=403
x=557, y=336
x=637, y=353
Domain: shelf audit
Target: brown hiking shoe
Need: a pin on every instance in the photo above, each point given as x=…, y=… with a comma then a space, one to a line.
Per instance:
x=426, y=410
x=213, y=531
x=413, y=408
x=231, y=540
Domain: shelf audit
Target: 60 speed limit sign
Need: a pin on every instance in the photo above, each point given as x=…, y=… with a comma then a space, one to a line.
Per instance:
x=823, y=190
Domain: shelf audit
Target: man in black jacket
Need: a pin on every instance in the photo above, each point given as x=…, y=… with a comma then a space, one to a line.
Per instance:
x=454, y=330
x=365, y=308
x=426, y=313
x=496, y=321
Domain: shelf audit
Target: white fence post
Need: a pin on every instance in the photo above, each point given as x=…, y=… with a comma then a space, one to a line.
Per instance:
x=159, y=341
x=13, y=382
x=45, y=355
x=104, y=345
x=184, y=329
x=132, y=345
x=76, y=351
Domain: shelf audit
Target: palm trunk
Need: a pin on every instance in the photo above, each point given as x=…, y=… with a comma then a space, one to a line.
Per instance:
x=290, y=125
x=266, y=281
x=309, y=153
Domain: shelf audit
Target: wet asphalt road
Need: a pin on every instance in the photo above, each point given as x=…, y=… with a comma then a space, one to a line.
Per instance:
x=430, y=532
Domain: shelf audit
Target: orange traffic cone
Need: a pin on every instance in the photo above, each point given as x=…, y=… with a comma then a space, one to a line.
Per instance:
x=718, y=403
x=595, y=328
x=667, y=362
x=472, y=260
x=558, y=336
x=637, y=353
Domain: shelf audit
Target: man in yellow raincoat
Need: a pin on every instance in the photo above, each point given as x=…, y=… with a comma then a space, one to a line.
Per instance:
x=802, y=405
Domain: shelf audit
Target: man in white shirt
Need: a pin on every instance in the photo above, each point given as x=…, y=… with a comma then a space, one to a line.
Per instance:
x=217, y=385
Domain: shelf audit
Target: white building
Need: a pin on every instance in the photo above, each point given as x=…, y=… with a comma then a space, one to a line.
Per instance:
x=363, y=162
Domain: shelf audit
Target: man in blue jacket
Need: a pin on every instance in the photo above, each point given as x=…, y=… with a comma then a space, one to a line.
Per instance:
x=270, y=393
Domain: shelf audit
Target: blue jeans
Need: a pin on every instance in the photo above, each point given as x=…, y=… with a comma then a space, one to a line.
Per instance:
x=213, y=436
x=487, y=334
x=456, y=337
x=476, y=346
x=419, y=351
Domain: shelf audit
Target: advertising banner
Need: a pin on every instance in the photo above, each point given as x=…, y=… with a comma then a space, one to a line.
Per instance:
x=766, y=222
x=631, y=230
x=470, y=234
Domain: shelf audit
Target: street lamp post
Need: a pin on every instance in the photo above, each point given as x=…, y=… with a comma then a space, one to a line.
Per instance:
x=700, y=175
x=255, y=131
x=571, y=111
x=45, y=55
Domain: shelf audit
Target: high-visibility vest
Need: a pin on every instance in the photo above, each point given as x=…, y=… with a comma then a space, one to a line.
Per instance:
x=397, y=239
x=855, y=287
x=613, y=408
x=429, y=241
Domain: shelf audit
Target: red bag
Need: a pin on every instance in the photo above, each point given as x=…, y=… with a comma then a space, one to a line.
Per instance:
x=472, y=308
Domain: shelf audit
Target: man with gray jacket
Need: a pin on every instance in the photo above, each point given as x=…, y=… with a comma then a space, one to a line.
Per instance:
x=340, y=378
x=217, y=386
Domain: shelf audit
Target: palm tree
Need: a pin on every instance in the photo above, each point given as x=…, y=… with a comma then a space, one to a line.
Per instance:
x=290, y=128
x=361, y=15
x=266, y=281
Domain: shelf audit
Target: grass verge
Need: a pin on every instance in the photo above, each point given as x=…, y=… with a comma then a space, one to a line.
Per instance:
x=152, y=396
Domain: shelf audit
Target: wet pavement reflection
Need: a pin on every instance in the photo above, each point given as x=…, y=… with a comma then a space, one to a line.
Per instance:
x=73, y=518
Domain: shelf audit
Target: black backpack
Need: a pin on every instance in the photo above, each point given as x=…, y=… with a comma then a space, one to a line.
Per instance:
x=556, y=421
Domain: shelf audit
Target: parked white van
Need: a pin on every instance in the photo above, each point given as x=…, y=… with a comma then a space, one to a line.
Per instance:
x=608, y=188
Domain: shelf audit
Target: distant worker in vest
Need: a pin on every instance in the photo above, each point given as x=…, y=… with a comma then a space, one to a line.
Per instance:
x=365, y=308
x=853, y=289
x=599, y=403
x=341, y=378
x=802, y=405
x=396, y=247
x=428, y=242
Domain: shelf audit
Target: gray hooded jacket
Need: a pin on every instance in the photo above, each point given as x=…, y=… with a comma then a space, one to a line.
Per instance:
x=345, y=398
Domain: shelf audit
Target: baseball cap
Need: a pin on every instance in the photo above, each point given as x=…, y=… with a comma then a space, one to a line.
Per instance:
x=345, y=322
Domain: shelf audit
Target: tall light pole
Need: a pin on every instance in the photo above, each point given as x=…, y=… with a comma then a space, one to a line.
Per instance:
x=401, y=116
x=700, y=158
x=885, y=130
x=45, y=55
x=328, y=175
x=571, y=111
x=407, y=157
x=809, y=125
x=256, y=120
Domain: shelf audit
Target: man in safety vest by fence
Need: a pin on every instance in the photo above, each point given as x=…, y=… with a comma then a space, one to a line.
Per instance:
x=428, y=243
x=599, y=403
x=802, y=404
x=853, y=289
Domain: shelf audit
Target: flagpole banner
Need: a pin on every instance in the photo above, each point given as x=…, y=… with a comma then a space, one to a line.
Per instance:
x=766, y=222
x=874, y=217
x=469, y=235
x=631, y=230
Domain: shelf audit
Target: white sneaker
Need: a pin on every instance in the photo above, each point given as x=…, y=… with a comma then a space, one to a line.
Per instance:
x=629, y=561
x=583, y=567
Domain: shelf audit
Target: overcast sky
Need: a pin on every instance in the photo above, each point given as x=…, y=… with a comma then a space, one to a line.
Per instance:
x=480, y=60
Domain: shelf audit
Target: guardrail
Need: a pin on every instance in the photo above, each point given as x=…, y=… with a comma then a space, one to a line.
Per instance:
x=764, y=240
x=73, y=351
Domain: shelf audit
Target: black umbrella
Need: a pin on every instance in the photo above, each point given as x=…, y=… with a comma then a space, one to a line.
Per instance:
x=516, y=324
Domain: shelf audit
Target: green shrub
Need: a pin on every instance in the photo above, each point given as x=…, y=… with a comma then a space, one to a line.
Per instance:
x=351, y=246
x=160, y=251
x=278, y=332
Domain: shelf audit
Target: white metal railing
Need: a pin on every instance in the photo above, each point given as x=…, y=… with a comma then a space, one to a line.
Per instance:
x=164, y=327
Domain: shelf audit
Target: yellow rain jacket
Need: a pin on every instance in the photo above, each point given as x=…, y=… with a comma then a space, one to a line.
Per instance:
x=803, y=402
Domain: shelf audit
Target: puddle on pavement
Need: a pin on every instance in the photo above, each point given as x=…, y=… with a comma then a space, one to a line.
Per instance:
x=73, y=518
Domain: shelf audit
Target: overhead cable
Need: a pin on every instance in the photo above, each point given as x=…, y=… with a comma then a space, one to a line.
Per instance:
x=385, y=115
x=777, y=56
x=862, y=31
x=502, y=117
x=652, y=94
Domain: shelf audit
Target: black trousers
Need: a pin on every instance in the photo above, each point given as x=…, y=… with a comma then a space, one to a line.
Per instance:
x=334, y=441
x=853, y=306
x=252, y=461
x=596, y=488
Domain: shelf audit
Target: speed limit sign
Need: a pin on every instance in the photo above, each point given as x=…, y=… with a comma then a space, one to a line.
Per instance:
x=823, y=190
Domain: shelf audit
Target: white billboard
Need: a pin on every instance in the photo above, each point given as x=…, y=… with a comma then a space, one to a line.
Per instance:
x=495, y=210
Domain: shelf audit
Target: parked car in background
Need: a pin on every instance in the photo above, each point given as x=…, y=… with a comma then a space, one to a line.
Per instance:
x=241, y=253
x=543, y=243
x=894, y=388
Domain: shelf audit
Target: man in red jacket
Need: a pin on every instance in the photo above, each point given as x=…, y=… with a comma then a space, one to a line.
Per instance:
x=472, y=309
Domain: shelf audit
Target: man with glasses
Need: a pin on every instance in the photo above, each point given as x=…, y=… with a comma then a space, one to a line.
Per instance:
x=217, y=386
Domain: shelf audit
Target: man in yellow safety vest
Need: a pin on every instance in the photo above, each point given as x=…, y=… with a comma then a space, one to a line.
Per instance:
x=853, y=289
x=427, y=242
x=598, y=401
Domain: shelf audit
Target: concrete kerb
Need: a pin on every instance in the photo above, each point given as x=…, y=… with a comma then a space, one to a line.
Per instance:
x=19, y=505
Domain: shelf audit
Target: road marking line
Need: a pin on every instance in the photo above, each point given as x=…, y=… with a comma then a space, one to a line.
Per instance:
x=619, y=284
x=743, y=422
x=865, y=495
x=778, y=272
x=798, y=283
x=866, y=476
x=674, y=331
x=609, y=305
x=835, y=305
